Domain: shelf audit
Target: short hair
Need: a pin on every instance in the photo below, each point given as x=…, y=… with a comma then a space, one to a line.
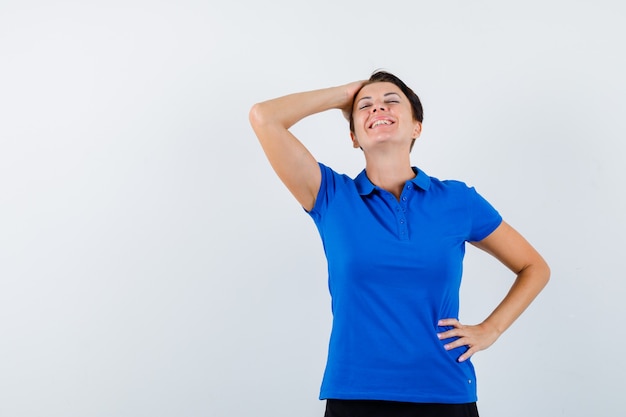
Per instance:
x=386, y=77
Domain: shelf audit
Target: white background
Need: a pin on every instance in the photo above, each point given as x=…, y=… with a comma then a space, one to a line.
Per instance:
x=151, y=264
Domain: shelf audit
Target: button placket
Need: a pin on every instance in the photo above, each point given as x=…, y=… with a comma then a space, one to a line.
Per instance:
x=401, y=212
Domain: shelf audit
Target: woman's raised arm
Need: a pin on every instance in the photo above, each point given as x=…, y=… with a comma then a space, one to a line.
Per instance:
x=291, y=160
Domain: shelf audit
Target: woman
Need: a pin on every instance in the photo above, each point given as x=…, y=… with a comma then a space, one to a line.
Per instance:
x=394, y=239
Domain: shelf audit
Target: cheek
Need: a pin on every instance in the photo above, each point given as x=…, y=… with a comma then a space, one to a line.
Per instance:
x=359, y=120
x=358, y=131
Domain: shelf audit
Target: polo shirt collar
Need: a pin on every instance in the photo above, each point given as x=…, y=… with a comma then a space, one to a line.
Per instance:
x=364, y=186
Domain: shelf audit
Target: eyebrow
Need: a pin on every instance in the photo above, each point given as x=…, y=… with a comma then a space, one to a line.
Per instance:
x=386, y=94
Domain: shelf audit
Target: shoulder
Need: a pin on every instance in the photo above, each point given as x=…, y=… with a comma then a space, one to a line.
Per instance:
x=332, y=186
x=330, y=175
x=449, y=186
x=454, y=193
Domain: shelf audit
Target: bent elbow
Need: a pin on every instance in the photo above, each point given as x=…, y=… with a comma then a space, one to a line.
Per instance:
x=548, y=272
x=543, y=272
x=256, y=115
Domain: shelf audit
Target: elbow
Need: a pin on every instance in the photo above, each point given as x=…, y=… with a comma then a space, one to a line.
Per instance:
x=537, y=271
x=543, y=272
x=256, y=115
x=547, y=272
x=266, y=115
x=262, y=115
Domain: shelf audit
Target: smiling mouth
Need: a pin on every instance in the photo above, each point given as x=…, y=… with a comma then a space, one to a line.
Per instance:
x=380, y=122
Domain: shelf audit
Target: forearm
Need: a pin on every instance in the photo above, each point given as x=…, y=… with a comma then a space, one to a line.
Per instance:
x=288, y=110
x=532, y=274
x=291, y=160
x=528, y=284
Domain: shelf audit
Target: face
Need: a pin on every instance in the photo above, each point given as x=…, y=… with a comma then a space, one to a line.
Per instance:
x=382, y=115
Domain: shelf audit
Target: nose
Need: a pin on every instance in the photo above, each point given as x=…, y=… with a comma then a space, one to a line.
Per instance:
x=378, y=107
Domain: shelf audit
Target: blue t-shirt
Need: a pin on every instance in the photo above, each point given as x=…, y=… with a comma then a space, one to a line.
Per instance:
x=394, y=270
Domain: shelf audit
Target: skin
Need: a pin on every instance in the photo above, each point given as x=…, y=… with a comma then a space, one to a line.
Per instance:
x=290, y=159
x=386, y=149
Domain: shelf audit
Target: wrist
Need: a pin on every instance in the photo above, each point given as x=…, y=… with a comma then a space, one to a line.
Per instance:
x=492, y=327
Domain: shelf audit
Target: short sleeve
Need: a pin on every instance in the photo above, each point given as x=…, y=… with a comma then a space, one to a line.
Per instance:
x=325, y=193
x=484, y=217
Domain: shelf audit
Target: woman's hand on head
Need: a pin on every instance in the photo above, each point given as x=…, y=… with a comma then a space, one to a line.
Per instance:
x=476, y=338
x=351, y=91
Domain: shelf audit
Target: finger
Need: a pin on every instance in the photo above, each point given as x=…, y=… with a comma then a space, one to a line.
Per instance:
x=448, y=334
x=465, y=356
x=449, y=322
x=452, y=332
x=460, y=332
x=456, y=344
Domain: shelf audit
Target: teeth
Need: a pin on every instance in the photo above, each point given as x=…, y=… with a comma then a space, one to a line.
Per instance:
x=381, y=122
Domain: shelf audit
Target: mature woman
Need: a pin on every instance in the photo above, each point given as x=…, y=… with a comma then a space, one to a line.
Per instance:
x=394, y=240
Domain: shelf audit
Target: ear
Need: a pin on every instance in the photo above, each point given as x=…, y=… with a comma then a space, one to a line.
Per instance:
x=417, y=131
x=355, y=142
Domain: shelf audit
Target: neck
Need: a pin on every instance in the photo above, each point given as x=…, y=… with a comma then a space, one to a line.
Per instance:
x=390, y=173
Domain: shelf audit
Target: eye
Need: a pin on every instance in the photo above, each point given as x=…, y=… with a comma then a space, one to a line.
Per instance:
x=364, y=106
x=394, y=100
